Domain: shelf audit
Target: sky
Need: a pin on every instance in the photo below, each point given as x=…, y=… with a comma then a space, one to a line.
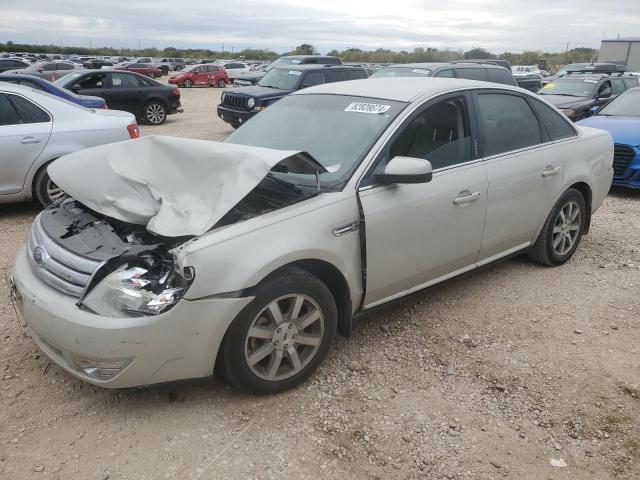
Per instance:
x=280, y=25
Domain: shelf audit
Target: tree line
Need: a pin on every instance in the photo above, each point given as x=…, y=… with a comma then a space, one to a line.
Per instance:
x=381, y=55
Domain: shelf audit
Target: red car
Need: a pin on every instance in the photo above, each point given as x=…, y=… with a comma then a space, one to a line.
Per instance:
x=206, y=74
x=143, y=68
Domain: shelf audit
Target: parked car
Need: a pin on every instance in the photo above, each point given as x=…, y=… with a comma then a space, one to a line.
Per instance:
x=621, y=118
x=239, y=105
x=147, y=99
x=344, y=187
x=605, y=68
x=194, y=75
x=486, y=72
x=48, y=70
x=252, y=77
x=36, y=128
x=576, y=94
x=97, y=64
x=234, y=69
x=144, y=69
x=38, y=83
x=12, y=64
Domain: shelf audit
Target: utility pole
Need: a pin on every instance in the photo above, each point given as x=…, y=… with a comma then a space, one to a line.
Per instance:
x=566, y=52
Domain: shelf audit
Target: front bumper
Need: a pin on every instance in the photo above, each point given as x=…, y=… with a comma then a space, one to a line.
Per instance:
x=176, y=107
x=179, y=344
x=630, y=178
x=234, y=117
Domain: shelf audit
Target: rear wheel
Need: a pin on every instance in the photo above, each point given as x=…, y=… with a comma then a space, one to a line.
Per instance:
x=155, y=113
x=222, y=83
x=282, y=336
x=44, y=189
x=152, y=75
x=187, y=83
x=562, y=230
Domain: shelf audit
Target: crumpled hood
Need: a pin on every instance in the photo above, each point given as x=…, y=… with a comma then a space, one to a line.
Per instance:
x=623, y=129
x=260, y=92
x=566, y=101
x=174, y=186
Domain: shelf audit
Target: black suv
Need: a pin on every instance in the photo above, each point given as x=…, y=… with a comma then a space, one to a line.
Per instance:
x=240, y=104
x=575, y=94
x=252, y=78
x=486, y=72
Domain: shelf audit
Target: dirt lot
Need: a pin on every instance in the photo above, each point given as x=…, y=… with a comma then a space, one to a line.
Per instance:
x=497, y=375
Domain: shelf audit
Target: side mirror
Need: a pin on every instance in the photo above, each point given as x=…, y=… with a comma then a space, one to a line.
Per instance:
x=76, y=88
x=405, y=170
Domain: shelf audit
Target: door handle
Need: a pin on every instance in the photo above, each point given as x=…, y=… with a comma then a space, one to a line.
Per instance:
x=467, y=197
x=550, y=170
x=30, y=140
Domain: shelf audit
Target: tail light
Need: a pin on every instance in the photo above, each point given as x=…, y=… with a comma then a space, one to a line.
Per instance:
x=176, y=92
x=133, y=130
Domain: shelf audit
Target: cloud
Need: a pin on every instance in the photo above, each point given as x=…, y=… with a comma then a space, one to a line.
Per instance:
x=498, y=25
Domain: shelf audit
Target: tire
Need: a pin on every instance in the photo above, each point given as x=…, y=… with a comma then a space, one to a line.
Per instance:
x=187, y=83
x=154, y=113
x=235, y=125
x=274, y=358
x=177, y=68
x=221, y=83
x=44, y=190
x=559, y=239
x=152, y=75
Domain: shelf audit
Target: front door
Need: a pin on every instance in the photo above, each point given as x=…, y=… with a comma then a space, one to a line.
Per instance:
x=419, y=234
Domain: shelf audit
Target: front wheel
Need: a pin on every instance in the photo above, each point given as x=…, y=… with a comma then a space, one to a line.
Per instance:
x=562, y=230
x=155, y=113
x=187, y=83
x=282, y=336
x=222, y=83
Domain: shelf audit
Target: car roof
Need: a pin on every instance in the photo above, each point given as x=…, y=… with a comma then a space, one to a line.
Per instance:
x=22, y=76
x=15, y=88
x=318, y=66
x=401, y=89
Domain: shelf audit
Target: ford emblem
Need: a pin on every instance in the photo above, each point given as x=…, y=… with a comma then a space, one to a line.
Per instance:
x=39, y=256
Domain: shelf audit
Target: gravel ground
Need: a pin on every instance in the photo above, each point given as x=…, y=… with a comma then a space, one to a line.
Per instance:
x=518, y=372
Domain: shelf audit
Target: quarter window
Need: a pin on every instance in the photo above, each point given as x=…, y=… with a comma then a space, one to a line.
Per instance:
x=500, y=75
x=439, y=134
x=507, y=123
x=356, y=74
x=557, y=127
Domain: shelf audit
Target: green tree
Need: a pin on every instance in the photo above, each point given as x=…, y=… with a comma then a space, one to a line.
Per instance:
x=477, y=53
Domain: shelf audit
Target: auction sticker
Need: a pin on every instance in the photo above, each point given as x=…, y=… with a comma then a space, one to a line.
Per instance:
x=420, y=70
x=360, y=107
x=295, y=72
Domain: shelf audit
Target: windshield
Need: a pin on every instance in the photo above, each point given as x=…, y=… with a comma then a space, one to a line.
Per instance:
x=281, y=79
x=625, y=105
x=66, y=79
x=571, y=87
x=336, y=130
x=282, y=61
x=401, y=72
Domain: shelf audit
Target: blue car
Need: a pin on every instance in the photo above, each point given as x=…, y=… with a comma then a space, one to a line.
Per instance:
x=621, y=118
x=46, y=86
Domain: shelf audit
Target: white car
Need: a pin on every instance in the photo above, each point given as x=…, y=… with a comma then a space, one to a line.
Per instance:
x=174, y=258
x=234, y=68
x=36, y=128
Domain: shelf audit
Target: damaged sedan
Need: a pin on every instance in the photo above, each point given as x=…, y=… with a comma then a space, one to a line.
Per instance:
x=172, y=258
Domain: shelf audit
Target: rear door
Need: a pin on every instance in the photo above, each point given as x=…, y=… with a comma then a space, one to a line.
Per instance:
x=419, y=234
x=126, y=92
x=525, y=169
x=24, y=132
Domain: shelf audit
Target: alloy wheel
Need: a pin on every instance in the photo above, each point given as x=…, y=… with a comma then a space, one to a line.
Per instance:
x=284, y=337
x=188, y=83
x=155, y=113
x=221, y=83
x=566, y=228
x=54, y=192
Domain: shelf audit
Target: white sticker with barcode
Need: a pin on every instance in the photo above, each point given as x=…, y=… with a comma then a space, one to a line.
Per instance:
x=421, y=70
x=295, y=72
x=590, y=81
x=375, y=108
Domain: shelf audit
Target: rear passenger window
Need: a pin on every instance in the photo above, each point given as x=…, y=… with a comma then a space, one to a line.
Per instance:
x=500, y=75
x=472, y=73
x=617, y=85
x=356, y=74
x=8, y=115
x=630, y=82
x=506, y=123
x=27, y=111
x=334, y=76
x=556, y=126
x=440, y=134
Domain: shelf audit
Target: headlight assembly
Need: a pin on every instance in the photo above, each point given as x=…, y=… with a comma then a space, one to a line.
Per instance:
x=148, y=287
x=251, y=102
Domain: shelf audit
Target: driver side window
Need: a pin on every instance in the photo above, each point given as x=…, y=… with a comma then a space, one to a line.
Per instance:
x=95, y=81
x=604, y=89
x=439, y=134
